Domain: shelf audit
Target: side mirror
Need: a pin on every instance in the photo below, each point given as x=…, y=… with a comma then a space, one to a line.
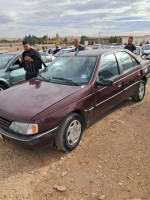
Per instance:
x=104, y=82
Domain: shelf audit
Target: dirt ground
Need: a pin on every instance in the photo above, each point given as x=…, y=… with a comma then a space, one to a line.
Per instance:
x=112, y=162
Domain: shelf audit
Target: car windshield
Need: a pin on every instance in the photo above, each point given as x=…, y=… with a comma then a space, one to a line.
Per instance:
x=4, y=59
x=73, y=70
x=146, y=47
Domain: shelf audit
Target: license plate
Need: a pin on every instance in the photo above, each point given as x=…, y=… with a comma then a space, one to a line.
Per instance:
x=1, y=137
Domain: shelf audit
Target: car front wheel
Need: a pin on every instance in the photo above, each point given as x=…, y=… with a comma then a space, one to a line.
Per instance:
x=140, y=93
x=70, y=132
x=2, y=87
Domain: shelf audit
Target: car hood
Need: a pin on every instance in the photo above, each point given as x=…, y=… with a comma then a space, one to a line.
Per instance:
x=24, y=101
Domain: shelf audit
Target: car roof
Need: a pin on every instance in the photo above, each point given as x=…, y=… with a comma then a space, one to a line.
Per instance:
x=94, y=52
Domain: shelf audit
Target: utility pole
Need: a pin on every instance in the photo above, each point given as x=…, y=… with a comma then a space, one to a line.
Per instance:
x=99, y=37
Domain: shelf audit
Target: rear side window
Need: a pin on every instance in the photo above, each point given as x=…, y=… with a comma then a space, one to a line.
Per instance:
x=125, y=60
x=108, y=67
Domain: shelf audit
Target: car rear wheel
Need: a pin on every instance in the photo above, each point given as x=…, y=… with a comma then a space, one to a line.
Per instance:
x=70, y=133
x=2, y=87
x=140, y=93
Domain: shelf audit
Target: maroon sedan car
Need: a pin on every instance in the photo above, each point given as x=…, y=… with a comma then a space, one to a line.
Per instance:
x=76, y=88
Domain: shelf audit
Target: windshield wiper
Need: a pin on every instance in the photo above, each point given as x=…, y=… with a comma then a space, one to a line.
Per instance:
x=66, y=80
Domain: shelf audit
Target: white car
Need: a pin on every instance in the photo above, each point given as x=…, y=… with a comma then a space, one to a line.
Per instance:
x=97, y=46
x=146, y=49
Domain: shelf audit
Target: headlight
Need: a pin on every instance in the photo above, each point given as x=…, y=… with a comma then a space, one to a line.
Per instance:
x=23, y=128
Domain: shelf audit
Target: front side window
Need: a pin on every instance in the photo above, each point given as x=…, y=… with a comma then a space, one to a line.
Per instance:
x=108, y=67
x=4, y=59
x=78, y=69
x=125, y=60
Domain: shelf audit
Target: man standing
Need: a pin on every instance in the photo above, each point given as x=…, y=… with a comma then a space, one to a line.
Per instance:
x=130, y=46
x=43, y=49
x=56, y=50
x=31, y=61
x=78, y=46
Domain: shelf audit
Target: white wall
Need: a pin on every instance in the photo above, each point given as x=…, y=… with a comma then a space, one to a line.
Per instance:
x=140, y=39
x=125, y=40
x=147, y=39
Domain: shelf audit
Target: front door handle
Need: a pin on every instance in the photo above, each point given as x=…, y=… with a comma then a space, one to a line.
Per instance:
x=120, y=85
x=140, y=73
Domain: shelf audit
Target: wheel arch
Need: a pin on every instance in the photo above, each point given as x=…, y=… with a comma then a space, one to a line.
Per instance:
x=144, y=78
x=83, y=116
x=4, y=83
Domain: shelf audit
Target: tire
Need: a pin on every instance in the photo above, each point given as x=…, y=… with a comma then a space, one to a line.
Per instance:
x=140, y=93
x=63, y=139
x=2, y=87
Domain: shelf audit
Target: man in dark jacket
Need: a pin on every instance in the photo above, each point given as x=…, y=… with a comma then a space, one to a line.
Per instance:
x=31, y=61
x=130, y=46
x=56, y=50
x=78, y=46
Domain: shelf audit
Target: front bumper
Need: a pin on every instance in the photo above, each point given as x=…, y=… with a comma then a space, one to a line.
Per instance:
x=33, y=141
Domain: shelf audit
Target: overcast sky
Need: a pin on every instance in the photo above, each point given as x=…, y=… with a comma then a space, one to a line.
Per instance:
x=74, y=17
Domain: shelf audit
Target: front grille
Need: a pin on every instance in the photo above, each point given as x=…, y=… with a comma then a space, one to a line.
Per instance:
x=4, y=123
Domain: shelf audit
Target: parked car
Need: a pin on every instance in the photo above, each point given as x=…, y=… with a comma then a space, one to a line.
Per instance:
x=46, y=57
x=139, y=51
x=3, y=51
x=10, y=71
x=146, y=49
x=69, y=95
x=97, y=46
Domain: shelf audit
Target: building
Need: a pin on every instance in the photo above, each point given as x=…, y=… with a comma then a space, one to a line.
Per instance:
x=105, y=40
x=98, y=40
x=136, y=39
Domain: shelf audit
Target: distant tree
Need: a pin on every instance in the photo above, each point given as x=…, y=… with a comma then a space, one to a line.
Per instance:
x=65, y=40
x=57, y=37
x=120, y=40
x=114, y=39
x=83, y=38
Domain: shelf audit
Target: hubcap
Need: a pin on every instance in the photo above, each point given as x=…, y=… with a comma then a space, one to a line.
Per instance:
x=73, y=132
x=141, y=91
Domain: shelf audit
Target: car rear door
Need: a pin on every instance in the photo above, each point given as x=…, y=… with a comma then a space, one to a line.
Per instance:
x=108, y=96
x=131, y=73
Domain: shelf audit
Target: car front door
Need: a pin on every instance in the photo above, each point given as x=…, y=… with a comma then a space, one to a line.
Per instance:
x=108, y=96
x=16, y=74
x=131, y=73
